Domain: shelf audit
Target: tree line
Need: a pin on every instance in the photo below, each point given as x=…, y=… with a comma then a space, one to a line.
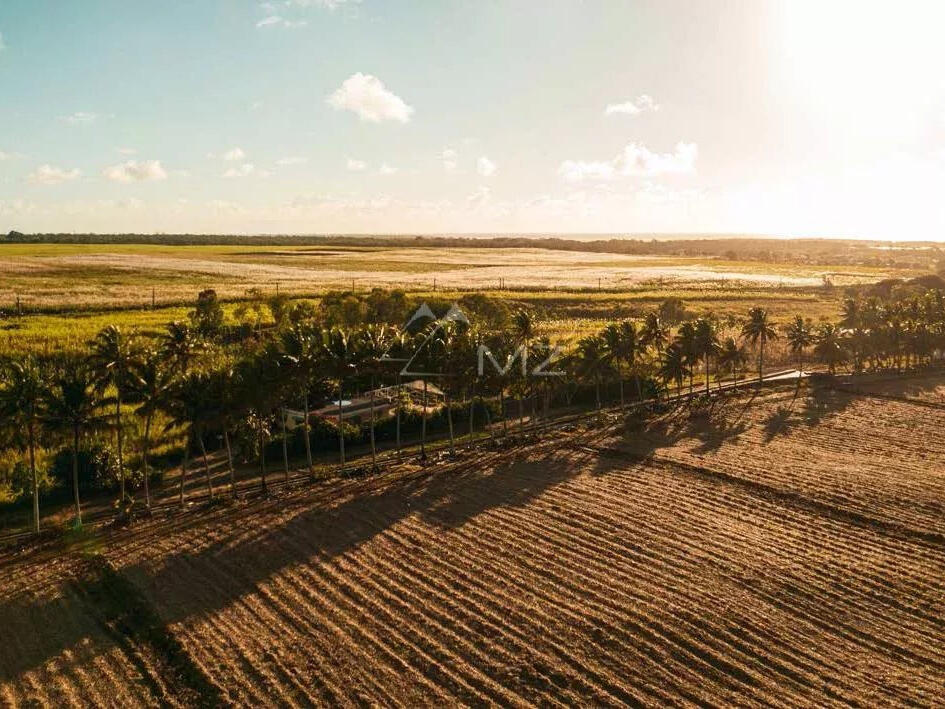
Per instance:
x=198, y=385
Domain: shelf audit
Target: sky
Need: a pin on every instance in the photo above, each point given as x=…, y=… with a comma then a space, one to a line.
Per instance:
x=790, y=118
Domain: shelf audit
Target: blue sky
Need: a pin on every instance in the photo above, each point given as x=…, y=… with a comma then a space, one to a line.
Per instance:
x=313, y=116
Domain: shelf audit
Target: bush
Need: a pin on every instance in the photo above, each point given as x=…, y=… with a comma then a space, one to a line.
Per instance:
x=98, y=470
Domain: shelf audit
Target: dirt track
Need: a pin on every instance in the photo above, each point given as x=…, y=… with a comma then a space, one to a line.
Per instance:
x=734, y=564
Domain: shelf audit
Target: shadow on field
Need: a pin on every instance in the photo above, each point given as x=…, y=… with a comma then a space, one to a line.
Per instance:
x=256, y=541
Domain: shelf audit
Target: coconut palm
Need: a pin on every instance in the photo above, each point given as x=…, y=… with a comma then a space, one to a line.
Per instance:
x=829, y=347
x=706, y=343
x=674, y=365
x=732, y=357
x=190, y=408
x=655, y=333
x=799, y=335
x=592, y=360
x=71, y=404
x=759, y=330
x=374, y=342
x=617, y=350
x=150, y=386
x=181, y=344
x=113, y=356
x=258, y=396
x=689, y=346
x=341, y=359
x=21, y=407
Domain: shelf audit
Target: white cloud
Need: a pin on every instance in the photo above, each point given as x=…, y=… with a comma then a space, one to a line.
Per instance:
x=277, y=21
x=449, y=156
x=244, y=170
x=234, y=154
x=479, y=198
x=327, y=4
x=80, y=118
x=367, y=96
x=356, y=165
x=633, y=107
x=5, y=156
x=291, y=160
x=485, y=167
x=136, y=171
x=386, y=169
x=126, y=151
x=51, y=175
x=635, y=161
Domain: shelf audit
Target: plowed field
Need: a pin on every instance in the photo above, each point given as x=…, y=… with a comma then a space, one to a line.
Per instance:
x=786, y=552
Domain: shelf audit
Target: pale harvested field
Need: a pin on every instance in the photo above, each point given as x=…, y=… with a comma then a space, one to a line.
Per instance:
x=102, y=275
x=731, y=566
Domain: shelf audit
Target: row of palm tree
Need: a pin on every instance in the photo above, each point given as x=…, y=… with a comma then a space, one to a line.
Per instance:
x=185, y=385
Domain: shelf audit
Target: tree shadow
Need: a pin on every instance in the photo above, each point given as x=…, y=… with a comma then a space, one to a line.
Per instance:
x=822, y=402
x=264, y=538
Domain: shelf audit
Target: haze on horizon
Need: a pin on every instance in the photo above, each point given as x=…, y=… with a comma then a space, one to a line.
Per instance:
x=797, y=117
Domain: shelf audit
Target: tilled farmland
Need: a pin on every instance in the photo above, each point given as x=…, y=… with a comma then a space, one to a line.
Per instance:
x=781, y=550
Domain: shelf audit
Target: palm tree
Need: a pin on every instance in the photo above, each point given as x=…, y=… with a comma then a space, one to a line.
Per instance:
x=181, y=344
x=707, y=344
x=113, y=356
x=655, y=333
x=674, y=365
x=256, y=393
x=340, y=352
x=374, y=343
x=523, y=331
x=617, y=350
x=829, y=347
x=189, y=405
x=592, y=357
x=151, y=384
x=227, y=405
x=759, y=330
x=732, y=357
x=689, y=346
x=21, y=406
x=800, y=336
x=71, y=406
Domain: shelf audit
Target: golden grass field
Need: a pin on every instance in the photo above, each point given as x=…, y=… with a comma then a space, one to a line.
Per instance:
x=773, y=550
x=79, y=275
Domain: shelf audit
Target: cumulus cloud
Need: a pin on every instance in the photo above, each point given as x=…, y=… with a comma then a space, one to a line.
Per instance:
x=485, y=167
x=52, y=175
x=327, y=4
x=478, y=198
x=386, y=169
x=636, y=160
x=449, y=156
x=234, y=155
x=367, y=96
x=80, y=118
x=633, y=107
x=356, y=165
x=5, y=156
x=291, y=160
x=278, y=21
x=244, y=170
x=126, y=151
x=136, y=171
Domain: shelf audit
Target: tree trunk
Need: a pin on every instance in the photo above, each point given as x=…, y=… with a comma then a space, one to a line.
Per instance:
x=620, y=378
x=761, y=360
x=121, y=459
x=472, y=414
x=262, y=458
x=449, y=420
x=505, y=420
x=183, y=467
x=147, y=468
x=206, y=465
x=423, y=425
x=341, y=430
x=75, y=475
x=707, y=373
x=308, y=438
x=521, y=415
x=32, y=446
x=285, y=446
x=399, y=401
x=489, y=425
x=229, y=460
x=373, y=423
